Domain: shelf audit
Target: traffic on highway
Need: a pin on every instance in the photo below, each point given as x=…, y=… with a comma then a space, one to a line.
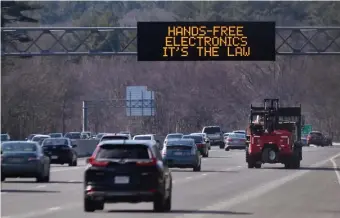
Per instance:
x=200, y=174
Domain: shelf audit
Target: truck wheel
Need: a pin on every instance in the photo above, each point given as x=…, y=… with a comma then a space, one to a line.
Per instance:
x=89, y=205
x=250, y=165
x=258, y=165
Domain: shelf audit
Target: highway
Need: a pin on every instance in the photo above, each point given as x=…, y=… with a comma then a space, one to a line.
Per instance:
x=224, y=187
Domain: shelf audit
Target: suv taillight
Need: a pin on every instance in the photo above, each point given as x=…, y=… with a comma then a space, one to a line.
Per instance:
x=152, y=162
x=97, y=163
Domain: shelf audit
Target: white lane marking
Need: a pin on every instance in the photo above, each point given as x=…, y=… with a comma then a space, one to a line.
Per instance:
x=54, y=208
x=40, y=186
x=50, y=210
x=186, y=179
x=336, y=169
x=255, y=193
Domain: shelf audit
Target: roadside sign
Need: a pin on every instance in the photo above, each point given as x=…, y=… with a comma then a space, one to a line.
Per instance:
x=306, y=129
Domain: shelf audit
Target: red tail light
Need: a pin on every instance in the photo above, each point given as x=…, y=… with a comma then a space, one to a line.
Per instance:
x=308, y=137
x=152, y=162
x=96, y=163
x=199, y=145
x=230, y=140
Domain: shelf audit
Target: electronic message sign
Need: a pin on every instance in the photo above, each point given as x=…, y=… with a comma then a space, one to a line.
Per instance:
x=206, y=41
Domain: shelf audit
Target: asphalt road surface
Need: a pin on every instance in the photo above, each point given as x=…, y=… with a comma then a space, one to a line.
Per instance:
x=224, y=188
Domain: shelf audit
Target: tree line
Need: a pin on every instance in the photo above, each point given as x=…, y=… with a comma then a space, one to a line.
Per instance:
x=45, y=94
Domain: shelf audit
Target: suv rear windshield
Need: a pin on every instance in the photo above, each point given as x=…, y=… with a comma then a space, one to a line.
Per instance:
x=198, y=139
x=142, y=138
x=174, y=136
x=212, y=130
x=73, y=135
x=123, y=152
x=116, y=137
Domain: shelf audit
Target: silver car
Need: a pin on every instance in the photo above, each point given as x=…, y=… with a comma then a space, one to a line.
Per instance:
x=24, y=159
x=235, y=141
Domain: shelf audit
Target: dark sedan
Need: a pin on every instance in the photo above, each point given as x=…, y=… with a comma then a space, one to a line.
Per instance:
x=24, y=159
x=60, y=151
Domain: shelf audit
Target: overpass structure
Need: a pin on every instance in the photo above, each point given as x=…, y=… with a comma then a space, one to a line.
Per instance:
x=122, y=41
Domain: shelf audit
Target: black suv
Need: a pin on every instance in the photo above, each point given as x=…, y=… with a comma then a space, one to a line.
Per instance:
x=60, y=151
x=127, y=171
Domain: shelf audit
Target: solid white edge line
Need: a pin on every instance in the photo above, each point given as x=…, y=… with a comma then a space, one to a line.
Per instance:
x=335, y=167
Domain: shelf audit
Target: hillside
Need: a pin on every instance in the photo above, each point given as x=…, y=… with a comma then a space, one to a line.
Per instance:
x=44, y=94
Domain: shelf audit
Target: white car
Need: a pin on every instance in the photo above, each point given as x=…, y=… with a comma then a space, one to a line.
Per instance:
x=148, y=137
x=172, y=136
x=114, y=136
x=40, y=138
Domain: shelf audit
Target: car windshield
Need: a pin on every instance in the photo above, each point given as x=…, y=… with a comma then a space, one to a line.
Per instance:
x=174, y=136
x=54, y=142
x=30, y=137
x=239, y=132
x=114, y=137
x=56, y=135
x=39, y=138
x=73, y=135
x=237, y=136
x=100, y=135
x=4, y=137
x=123, y=152
x=197, y=139
x=142, y=138
x=212, y=130
x=179, y=142
x=18, y=147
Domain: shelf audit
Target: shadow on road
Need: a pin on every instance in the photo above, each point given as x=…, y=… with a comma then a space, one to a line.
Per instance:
x=203, y=171
x=212, y=212
x=219, y=171
x=50, y=182
x=306, y=168
x=27, y=191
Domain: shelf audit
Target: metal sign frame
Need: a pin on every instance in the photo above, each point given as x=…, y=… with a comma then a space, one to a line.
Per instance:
x=121, y=41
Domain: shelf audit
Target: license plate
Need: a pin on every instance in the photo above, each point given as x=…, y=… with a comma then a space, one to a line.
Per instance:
x=178, y=153
x=122, y=180
x=54, y=157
